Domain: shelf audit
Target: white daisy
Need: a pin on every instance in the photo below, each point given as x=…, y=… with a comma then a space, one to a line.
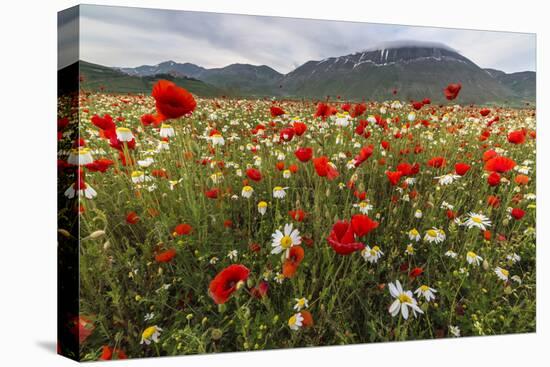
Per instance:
x=426, y=292
x=301, y=303
x=166, y=131
x=283, y=241
x=477, y=220
x=295, y=321
x=435, y=235
x=262, y=207
x=414, y=235
x=152, y=333
x=502, y=273
x=403, y=300
x=279, y=192
x=473, y=258
x=124, y=134
x=372, y=255
x=247, y=192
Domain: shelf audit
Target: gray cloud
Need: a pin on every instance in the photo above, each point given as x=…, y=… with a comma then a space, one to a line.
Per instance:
x=119, y=36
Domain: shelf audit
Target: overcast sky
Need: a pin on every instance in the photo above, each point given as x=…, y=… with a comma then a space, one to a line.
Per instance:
x=119, y=36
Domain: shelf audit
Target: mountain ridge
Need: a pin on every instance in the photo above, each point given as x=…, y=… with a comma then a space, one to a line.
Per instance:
x=415, y=70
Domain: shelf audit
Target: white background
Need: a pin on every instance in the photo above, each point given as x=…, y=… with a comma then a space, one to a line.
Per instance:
x=28, y=182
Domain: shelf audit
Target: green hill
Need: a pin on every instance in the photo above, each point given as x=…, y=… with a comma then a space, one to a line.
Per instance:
x=101, y=78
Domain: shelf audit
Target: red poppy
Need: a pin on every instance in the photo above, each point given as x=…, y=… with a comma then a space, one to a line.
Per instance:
x=299, y=128
x=342, y=239
x=484, y=112
x=304, y=154
x=212, y=193
x=297, y=215
x=100, y=165
x=405, y=168
x=254, y=174
x=324, y=111
x=394, y=177
x=287, y=134
x=437, y=162
x=487, y=235
x=385, y=145
x=426, y=101
x=489, y=154
x=172, y=101
x=462, y=168
x=261, y=290
x=364, y=154
x=500, y=164
x=132, y=218
x=452, y=90
x=105, y=123
x=276, y=111
x=166, y=256
x=324, y=168
x=109, y=353
x=517, y=137
x=307, y=319
x=226, y=282
x=182, y=229
x=493, y=179
x=417, y=105
x=493, y=201
x=291, y=264
x=416, y=272
x=521, y=179
x=362, y=224
x=517, y=213
x=358, y=110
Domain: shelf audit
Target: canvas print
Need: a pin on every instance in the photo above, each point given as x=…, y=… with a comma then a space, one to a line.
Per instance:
x=241, y=183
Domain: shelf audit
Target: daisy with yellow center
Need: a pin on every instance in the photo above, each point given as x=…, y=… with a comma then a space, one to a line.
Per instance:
x=138, y=177
x=473, y=258
x=426, y=292
x=279, y=192
x=364, y=207
x=80, y=156
x=283, y=241
x=262, y=207
x=295, y=321
x=166, y=131
x=301, y=303
x=124, y=134
x=477, y=220
x=152, y=333
x=372, y=255
x=414, y=235
x=503, y=274
x=410, y=249
x=286, y=173
x=403, y=301
x=435, y=235
x=247, y=192
x=217, y=139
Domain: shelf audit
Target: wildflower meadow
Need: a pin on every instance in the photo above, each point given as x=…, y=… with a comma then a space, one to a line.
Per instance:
x=235, y=224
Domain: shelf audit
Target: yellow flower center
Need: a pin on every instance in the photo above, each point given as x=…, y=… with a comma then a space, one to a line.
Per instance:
x=504, y=272
x=262, y=204
x=247, y=188
x=286, y=242
x=148, y=333
x=424, y=288
x=277, y=188
x=432, y=233
x=471, y=254
x=476, y=219
x=123, y=130
x=292, y=320
x=137, y=173
x=403, y=298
